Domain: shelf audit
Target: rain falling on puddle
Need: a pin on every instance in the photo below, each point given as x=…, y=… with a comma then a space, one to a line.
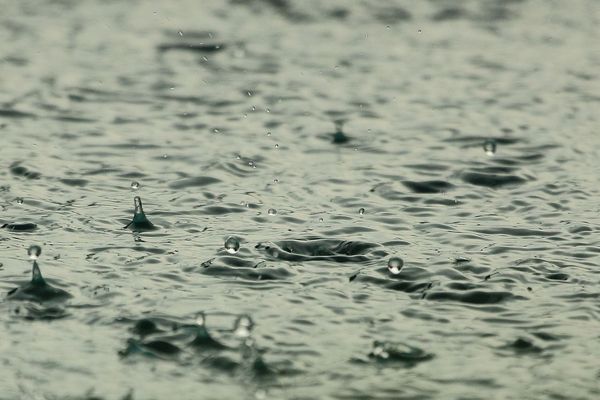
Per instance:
x=299, y=199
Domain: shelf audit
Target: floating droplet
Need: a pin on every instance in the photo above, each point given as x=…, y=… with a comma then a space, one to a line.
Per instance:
x=135, y=185
x=243, y=326
x=34, y=252
x=490, y=147
x=232, y=245
x=361, y=211
x=395, y=265
x=272, y=211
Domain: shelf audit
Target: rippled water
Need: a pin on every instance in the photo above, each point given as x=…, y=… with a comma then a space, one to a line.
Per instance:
x=352, y=200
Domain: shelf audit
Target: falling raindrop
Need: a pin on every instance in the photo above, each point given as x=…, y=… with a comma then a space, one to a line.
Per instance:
x=361, y=211
x=232, y=245
x=34, y=252
x=135, y=185
x=395, y=265
x=490, y=147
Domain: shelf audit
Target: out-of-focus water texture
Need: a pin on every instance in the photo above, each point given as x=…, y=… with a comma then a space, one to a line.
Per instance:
x=366, y=199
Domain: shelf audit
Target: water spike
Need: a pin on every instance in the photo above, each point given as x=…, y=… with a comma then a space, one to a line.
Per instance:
x=36, y=274
x=137, y=203
x=139, y=222
x=243, y=326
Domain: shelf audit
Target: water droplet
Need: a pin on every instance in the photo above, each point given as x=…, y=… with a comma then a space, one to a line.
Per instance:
x=34, y=252
x=490, y=147
x=180, y=33
x=275, y=180
x=361, y=211
x=135, y=185
x=276, y=146
x=272, y=211
x=200, y=318
x=243, y=326
x=420, y=31
x=321, y=219
x=19, y=200
x=268, y=133
x=395, y=265
x=232, y=245
x=164, y=156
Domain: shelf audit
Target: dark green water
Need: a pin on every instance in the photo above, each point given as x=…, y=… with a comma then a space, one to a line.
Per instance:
x=323, y=139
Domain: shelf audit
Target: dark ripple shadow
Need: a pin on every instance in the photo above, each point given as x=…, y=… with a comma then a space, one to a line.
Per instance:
x=316, y=249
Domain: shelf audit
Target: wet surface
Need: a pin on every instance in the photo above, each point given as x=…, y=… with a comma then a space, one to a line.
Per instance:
x=377, y=200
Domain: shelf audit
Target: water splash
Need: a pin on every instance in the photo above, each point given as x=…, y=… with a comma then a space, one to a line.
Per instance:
x=140, y=222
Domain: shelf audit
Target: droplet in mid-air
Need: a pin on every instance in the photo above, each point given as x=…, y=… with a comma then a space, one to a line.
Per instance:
x=272, y=211
x=490, y=147
x=34, y=252
x=243, y=326
x=232, y=245
x=361, y=211
x=135, y=185
x=395, y=265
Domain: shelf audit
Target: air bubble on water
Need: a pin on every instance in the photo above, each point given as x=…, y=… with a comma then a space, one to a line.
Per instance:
x=272, y=211
x=489, y=146
x=243, y=326
x=19, y=200
x=135, y=185
x=200, y=318
x=34, y=251
x=395, y=265
x=232, y=245
x=361, y=211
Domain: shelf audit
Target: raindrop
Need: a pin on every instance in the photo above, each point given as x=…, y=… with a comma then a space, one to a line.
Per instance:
x=164, y=156
x=272, y=211
x=361, y=211
x=395, y=265
x=180, y=33
x=135, y=185
x=490, y=147
x=268, y=133
x=19, y=200
x=275, y=180
x=232, y=245
x=34, y=252
x=321, y=219
x=243, y=326
x=276, y=146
